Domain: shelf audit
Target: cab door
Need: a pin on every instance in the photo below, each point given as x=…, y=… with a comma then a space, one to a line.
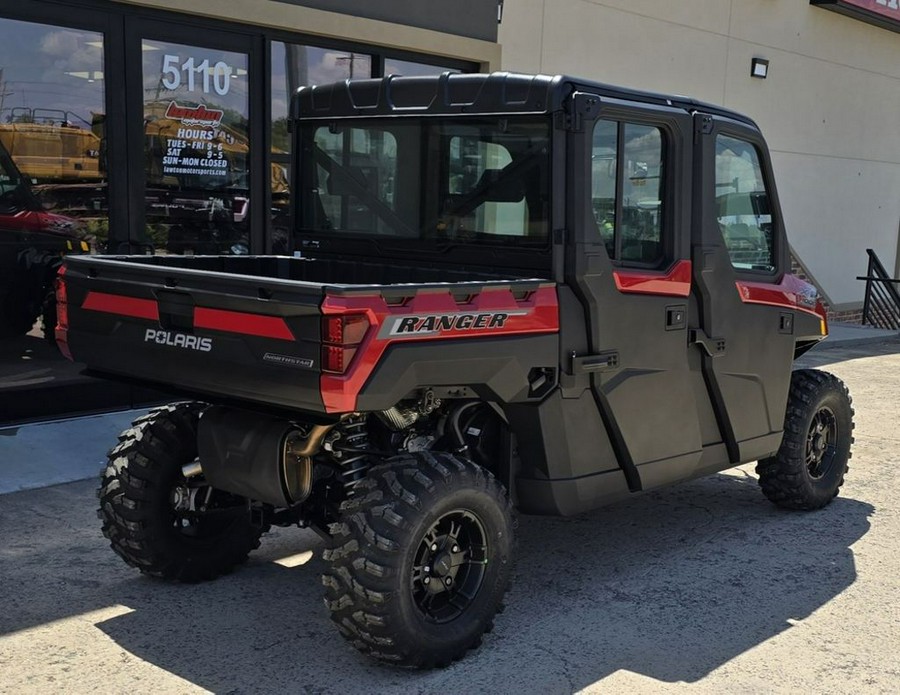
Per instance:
x=746, y=300
x=629, y=212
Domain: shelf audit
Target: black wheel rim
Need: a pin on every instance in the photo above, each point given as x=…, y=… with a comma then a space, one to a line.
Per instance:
x=449, y=566
x=821, y=443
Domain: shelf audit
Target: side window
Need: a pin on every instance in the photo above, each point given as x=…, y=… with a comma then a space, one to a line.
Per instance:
x=742, y=205
x=628, y=190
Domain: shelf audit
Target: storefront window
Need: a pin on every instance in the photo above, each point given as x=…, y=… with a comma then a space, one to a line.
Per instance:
x=53, y=198
x=294, y=66
x=196, y=146
x=408, y=68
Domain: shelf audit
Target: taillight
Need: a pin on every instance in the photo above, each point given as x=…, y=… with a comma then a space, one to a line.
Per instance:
x=62, y=314
x=341, y=337
x=345, y=330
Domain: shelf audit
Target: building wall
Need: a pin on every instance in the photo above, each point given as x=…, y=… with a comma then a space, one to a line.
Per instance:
x=829, y=107
x=347, y=27
x=474, y=18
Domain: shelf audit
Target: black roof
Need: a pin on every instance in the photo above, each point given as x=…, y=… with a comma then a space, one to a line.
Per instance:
x=465, y=93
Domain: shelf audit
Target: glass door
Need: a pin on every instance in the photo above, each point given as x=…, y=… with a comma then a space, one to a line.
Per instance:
x=191, y=135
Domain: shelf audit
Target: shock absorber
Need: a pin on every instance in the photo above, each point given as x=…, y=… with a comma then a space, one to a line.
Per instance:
x=350, y=452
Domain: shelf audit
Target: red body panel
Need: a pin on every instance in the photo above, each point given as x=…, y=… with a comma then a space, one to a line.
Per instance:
x=791, y=293
x=123, y=306
x=536, y=313
x=240, y=322
x=674, y=282
x=210, y=319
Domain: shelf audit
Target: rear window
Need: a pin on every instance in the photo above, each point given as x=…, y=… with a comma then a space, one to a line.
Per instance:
x=460, y=181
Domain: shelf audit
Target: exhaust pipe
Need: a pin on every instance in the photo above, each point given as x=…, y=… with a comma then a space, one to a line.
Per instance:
x=192, y=469
x=263, y=458
x=297, y=461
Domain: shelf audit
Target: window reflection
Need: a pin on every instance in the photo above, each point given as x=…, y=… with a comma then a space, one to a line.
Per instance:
x=408, y=68
x=53, y=197
x=294, y=66
x=196, y=146
x=742, y=205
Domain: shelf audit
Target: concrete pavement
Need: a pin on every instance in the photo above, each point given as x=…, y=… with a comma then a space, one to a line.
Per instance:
x=57, y=452
x=703, y=587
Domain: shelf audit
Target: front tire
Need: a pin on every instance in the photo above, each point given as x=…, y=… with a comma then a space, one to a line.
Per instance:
x=809, y=468
x=421, y=559
x=157, y=520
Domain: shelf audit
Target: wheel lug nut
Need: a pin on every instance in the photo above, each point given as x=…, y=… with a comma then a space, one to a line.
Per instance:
x=448, y=581
x=427, y=569
x=455, y=548
x=434, y=547
x=427, y=580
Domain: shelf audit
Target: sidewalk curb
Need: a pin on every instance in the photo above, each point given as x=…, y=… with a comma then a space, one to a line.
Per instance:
x=832, y=343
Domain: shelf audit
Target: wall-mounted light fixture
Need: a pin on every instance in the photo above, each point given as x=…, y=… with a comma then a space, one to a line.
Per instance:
x=759, y=67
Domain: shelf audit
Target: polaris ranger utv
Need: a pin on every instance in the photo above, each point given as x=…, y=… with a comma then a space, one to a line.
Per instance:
x=512, y=291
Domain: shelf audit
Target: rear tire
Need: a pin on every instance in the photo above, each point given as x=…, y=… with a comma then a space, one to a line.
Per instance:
x=161, y=522
x=424, y=510
x=808, y=470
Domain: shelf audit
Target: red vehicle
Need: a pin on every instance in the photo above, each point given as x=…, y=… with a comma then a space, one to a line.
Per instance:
x=32, y=243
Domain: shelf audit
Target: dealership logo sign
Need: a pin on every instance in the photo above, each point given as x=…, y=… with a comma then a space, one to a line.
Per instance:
x=194, y=115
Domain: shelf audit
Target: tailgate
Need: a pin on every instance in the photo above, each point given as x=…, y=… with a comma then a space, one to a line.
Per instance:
x=209, y=333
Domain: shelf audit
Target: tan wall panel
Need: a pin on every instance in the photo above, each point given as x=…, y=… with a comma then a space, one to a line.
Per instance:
x=812, y=31
x=594, y=41
x=331, y=24
x=522, y=34
x=814, y=106
x=833, y=210
x=705, y=15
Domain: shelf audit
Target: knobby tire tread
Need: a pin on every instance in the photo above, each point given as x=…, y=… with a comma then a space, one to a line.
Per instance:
x=366, y=554
x=134, y=481
x=783, y=477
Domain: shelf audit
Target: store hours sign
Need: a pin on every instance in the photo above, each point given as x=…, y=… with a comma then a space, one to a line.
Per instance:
x=883, y=13
x=195, y=141
x=193, y=150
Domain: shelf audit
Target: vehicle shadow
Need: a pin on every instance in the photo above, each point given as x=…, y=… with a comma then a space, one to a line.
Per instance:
x=670, y=585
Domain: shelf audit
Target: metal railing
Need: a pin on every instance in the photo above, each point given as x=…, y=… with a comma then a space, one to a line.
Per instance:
x=881, y=307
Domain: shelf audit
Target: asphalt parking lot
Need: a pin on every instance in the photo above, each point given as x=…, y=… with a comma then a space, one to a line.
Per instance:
x=704, y=587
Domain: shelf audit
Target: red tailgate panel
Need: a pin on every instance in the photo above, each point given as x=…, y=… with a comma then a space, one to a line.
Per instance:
x=432, y=315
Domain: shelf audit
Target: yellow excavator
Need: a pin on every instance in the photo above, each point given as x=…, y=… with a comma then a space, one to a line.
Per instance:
x=50, y=146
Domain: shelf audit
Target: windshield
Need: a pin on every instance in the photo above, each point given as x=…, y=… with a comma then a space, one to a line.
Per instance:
x=455, y=180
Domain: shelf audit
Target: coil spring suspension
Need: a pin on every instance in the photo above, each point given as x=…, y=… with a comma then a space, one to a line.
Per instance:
x=354, y=461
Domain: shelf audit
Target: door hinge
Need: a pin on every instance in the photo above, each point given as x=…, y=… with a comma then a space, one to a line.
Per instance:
x=579, y=107
x=600, y=362
x=703, y=125
x=714, y=347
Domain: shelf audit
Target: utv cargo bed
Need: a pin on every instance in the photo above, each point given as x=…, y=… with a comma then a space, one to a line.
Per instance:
x=251, y=329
